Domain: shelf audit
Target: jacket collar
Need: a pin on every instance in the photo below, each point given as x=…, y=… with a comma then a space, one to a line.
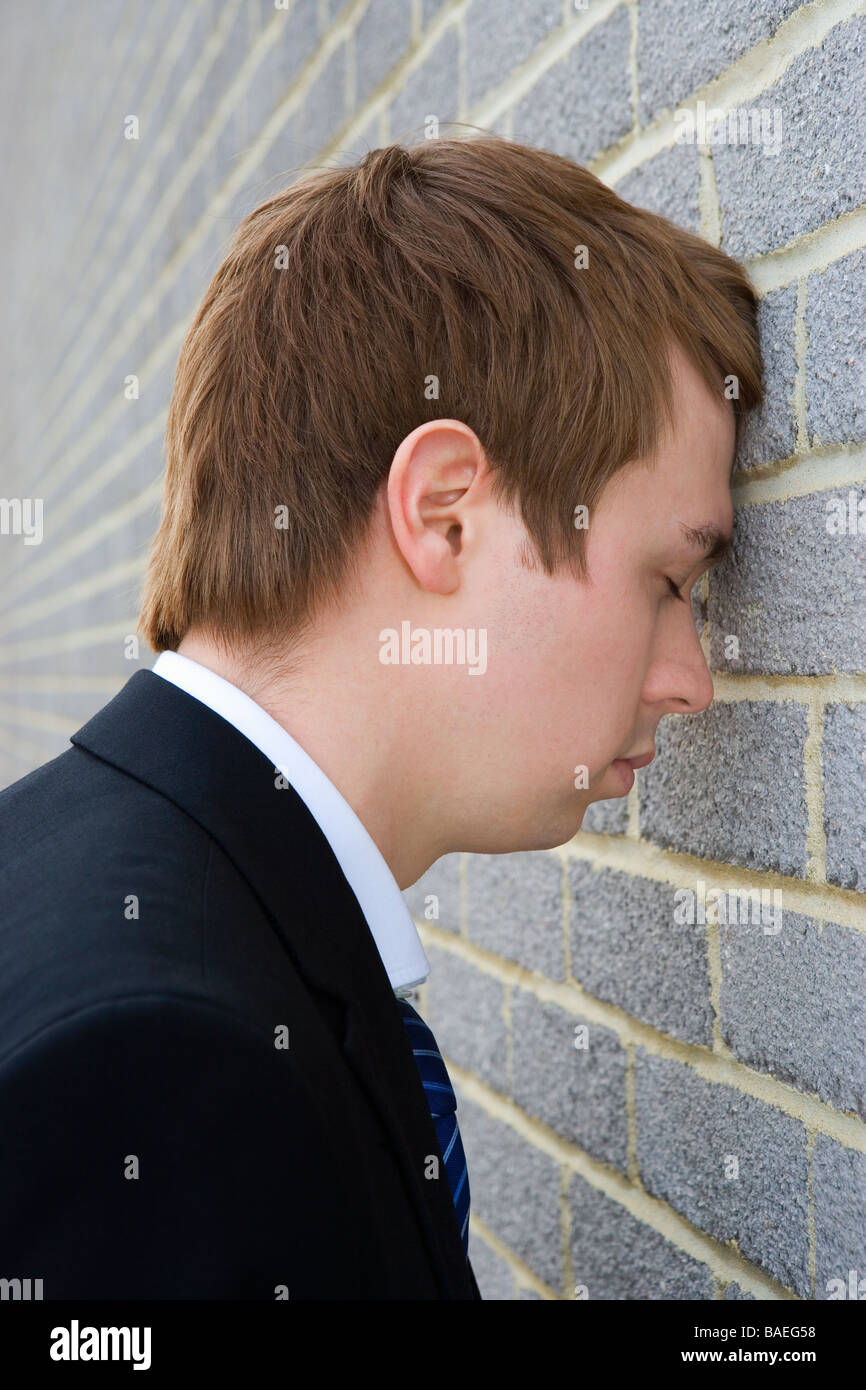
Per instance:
x=171, y=742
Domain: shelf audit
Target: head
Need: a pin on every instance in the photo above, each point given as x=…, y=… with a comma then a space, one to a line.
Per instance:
x=467, y=388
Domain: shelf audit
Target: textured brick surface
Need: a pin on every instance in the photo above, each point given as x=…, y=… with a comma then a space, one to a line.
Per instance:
x=514, y=1188
x=431, y=89
x=494, y=1276
x=792, y=593
x=499, y=42
x=688, y=1133
x=769, y=433
x=561, y=112
x=793, y=1003
x=844, y=747
x=616, y=1256
x=326, y=106
x=728, y=784
x=381, y=39
x=821, y=98
x=682, y=45
x=607, y=817
x=733, y=1291
x=514, y=907
x=839, y=1177
x=465, y=1010
x=667, y=184
x=577, y=1091
x=627, y=949
x=836, y=355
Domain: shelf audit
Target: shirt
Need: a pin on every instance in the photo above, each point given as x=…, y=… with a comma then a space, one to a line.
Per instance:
x=359, y=857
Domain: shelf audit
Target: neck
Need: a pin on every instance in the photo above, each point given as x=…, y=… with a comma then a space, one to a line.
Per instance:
x=360, y=736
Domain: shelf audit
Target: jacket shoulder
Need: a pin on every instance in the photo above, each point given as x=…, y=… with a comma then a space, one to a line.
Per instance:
x=101, y=890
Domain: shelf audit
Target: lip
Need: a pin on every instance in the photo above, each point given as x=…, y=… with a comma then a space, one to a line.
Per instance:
x=642, y=760
x=626, y=768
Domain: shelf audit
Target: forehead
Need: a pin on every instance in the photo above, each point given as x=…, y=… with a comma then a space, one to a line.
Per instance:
x=687, y=478
x=704, y=421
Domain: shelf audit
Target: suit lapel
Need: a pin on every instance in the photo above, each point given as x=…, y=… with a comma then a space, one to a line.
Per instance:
x=173, y=743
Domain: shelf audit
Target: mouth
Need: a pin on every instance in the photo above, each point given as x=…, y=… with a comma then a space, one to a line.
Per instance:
x=625, y=768
x=642, y=760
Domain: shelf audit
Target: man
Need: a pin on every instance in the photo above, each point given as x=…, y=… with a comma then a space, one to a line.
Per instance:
x=450, y=443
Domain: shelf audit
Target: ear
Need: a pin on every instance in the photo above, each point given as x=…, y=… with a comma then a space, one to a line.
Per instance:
x=433, y=489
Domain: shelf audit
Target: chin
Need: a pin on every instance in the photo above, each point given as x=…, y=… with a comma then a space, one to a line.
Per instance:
x=532, y=837
x=559, y=832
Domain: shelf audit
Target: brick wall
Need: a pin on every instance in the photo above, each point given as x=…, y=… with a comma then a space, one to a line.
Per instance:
x=650, y=1108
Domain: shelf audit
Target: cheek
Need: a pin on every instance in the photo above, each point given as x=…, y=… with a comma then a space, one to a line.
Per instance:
x=567, y=655
x=617, y=619
x=609, y=664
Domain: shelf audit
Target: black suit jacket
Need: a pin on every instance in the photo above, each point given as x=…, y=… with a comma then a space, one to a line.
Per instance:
x=170, y=918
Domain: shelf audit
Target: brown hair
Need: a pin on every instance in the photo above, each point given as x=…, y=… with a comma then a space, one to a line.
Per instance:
x=306, y=366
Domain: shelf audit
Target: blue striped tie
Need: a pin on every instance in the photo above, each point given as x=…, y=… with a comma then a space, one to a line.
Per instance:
x=443, y=1105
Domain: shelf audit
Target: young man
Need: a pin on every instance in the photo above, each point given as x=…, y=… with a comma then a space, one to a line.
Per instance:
x=450, y=443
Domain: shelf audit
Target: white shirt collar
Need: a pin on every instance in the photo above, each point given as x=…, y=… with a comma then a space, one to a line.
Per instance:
x=360, y=858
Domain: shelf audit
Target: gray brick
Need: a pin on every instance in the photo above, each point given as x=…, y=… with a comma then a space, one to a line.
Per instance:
x=331, y=11
x=792, y=592
x=579, y=1093
x=289, y=152
x=429, y=11
x=669, y=184
x=362, y=141
x=562, y=111
x=616, y=1256
x=844, y=758
x=627, y=949
x=514, y=1189
x=259, y=14
x=514, y=907
x=173, y=83
x=104, y=657
x=728, y=784
x=107, y=606
x=768, y=433
x=497, y=42
x=794, y=1004
x=733, y=1291
x=442, y=881
x=325, y=108
x=682, y=44
x=48, y=744
x=230, y=56
x=431, y=89
x=493, y=1275
x=75, y=706
x=465, y=1011
x=688, y=1130
x=607, y=817
x=228, y=148
x=836, y=354
x=839, y=1186
x=769, y=200
x=382, y=37
x=296, y=41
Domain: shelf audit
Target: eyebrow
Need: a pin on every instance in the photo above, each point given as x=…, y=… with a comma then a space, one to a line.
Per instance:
x=708, y=540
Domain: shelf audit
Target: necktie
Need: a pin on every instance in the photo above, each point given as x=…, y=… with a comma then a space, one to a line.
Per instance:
x=443, y=1105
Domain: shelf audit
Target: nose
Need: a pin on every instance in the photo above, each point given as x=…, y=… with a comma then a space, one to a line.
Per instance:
x=679, y=678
